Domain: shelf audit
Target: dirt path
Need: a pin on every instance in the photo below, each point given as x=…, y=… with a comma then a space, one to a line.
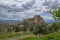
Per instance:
x=21, y=37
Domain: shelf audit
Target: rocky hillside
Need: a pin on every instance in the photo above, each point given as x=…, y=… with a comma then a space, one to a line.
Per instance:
x=35, y=20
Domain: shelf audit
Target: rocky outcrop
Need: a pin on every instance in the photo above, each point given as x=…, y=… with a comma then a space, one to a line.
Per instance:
x=35, y=20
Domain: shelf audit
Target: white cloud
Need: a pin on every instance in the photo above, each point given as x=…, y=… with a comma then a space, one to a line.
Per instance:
x=18, y=9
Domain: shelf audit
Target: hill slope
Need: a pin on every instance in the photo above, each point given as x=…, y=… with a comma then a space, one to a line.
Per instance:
x=52, y=36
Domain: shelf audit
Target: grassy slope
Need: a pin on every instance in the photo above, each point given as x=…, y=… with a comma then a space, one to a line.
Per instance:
x=52, y=36
x=12, y=35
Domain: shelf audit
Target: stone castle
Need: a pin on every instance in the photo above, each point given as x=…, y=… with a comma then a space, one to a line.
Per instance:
x=37, y=19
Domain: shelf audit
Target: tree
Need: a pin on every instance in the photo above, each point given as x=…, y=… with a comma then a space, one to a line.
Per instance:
x=16, y=29
x=9, y=30
x=23, y=28
x=40, y=30
x=55, y=27
x=56, y=13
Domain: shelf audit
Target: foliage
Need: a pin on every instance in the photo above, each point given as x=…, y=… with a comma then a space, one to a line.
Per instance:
x=45, y=29
x=23, y=29
x=40, y=30
x=16, y=29
x=56, y=13
x=37, y=29
x=55, y=27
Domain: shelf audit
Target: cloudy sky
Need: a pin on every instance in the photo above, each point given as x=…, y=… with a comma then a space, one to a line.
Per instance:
x=19, y=9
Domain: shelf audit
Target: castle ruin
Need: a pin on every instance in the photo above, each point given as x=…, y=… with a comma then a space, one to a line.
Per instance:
x=37, y=19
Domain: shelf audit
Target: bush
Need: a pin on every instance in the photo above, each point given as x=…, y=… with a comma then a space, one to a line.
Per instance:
x=16, y=29
x=40, y=30
x=23, y=29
